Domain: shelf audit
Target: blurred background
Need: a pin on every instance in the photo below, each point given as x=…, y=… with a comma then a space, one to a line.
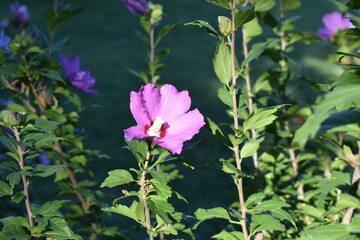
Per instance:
x=103, y=36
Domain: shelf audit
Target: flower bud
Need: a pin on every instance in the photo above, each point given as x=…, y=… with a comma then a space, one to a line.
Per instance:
x=224, y=25
x=156, y=12
x=14, y=119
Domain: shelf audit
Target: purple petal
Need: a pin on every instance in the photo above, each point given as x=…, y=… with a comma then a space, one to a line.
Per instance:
x=138, y=110
x=70, y=65
x=181, y=129
x=150, y=99
x=173, y=103
x=4, y=41
x=137, y=7
x=136, y=132
x=325, y=33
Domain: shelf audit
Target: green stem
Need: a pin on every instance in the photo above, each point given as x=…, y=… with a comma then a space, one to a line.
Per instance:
x=152, y=51
x=236, y=122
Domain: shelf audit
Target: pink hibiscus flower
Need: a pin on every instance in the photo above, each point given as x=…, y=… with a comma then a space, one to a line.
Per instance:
x=163, y=116
x=333, y=22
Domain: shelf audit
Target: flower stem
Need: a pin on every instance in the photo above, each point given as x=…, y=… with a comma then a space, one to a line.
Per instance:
x=152, y=51
x=143, y=192
x=24, y=180
x=236, y=122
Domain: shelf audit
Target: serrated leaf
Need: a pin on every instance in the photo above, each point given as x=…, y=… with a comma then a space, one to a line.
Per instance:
x=138, y=148
x=256, y=53
x=123, y=210
x=265, y=222
x=50, y=209
x=264, y=5
x=13, y=178
x=225, y=96
x=260, y=118
x=206, y=214
x=161, y=207
x=162, y=190
x=327, y=232
x=325, y=187
x=210, y=29
x=222, y=62
x=165, y=31
x=117, y=177
x=215, y=130
x=60, y=230
x=46, y=171
x=224, y=235
x=250, y=147
x=346, y=201
x=244, y=16
x=5, y=189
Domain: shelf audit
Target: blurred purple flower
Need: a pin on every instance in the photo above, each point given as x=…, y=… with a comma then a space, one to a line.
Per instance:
x=137, y=7
x=80, y=79
x=163, y=116
x=332, y=23
x=5, y=103
x=43, y=159
x=19, y=11
x=4, y=41
x=4, y=23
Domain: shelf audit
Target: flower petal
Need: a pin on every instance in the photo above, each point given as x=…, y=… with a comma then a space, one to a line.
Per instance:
x=136, y=132
x=138, y=110
x=150, y=99
x=173, y=103
x=181, y=129
x=70, y=65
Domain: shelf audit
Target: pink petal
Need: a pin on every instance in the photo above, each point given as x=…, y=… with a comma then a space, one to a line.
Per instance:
x=332, y=20
x=136, y=132
x=138, y=110
x=181, y=129
x=173, y=103
x=150, y=99
x=325, y=33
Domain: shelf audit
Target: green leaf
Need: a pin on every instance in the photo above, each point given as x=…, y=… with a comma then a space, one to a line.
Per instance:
x=243, y=17
x=254, y=199
x=10, y=145
x=224, y=235
x=221, y=3
x=123, y=210
x=265, y=222
x=327, y=232
x=222, y=62
x=164, y=31
x=215, y=130
x=250, y=147
x=289, y=5
x=60, y=230
x=54, y=21
x=256, y=53
x=138, y=148
x=225, y=96
x=347, y=120
x=343, y=177
x=162, y=190
x=5, y=189
x=325, y=187
x=161, y=207
x=260, y=118
x=264, y=5
x=117, y=177
x=206, y=214
x=52, y=74
x=253, y=29
x=46, y=171
x=340, y=95
x=13, y=178
x=45, y=125
x=50, y=209
x=210, y=29
x=346, y=201
x=224, y=25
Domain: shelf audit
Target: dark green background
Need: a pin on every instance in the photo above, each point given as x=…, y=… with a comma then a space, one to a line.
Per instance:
x=103, y=36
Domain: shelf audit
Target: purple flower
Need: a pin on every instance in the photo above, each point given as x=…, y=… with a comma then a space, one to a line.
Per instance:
x=163, y=116
x=333, y=22
x=80, y=79
x=4, y=23
x=19, y=11
x=4, y=41
x=43, y=159
x=137, y=7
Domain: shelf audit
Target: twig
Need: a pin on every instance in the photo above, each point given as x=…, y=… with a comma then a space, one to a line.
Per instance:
x=24, y=180
x=236, y=123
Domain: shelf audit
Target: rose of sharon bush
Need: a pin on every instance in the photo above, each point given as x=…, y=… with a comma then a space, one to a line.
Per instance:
x=137, y=7
x=80, y=79
x=333, y=22
x=19, y=11
x=163, y=116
